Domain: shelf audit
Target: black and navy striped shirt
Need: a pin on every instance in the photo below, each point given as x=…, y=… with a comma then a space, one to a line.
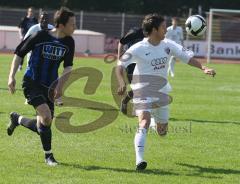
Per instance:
x=133, y=36
x=47, y=54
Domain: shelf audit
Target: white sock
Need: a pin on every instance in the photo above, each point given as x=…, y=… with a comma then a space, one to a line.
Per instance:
x=153, y=124
x=19, y=120
x=139, y=143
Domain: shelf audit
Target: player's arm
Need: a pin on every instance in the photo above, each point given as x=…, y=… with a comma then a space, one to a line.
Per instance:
x=123, y=41
x=181, y=36
x=11, y=78
x=126, y=59
x=20, y=30
x=187, y=56
x=22, y=49
x=195, y=63
x=61, y=81
x=68, y=63
x=120, y=77
x=120, y=50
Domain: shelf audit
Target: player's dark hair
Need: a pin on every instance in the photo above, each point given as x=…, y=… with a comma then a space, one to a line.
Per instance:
x=176, y=19
x=151, y=21
x=62, y=16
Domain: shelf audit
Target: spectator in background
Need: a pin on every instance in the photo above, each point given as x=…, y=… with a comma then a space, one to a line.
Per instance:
x=26, y=22
x=174, y=33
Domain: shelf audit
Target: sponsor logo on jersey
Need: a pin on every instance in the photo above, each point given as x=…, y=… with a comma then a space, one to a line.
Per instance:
x=185, y=49
x=53, y=52
x=159, y=63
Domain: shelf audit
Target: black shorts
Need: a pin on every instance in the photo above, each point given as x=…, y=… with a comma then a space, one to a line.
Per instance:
x=130, y=70
x=36, y=94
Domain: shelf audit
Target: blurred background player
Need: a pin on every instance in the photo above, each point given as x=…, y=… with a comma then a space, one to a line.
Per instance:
x=42, y=25
x=133, y=36
x=49, y=50
x=175, y=33
x=26, y=23
x=152, y=57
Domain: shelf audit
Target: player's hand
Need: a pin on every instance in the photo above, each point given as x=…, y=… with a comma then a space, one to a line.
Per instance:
x=11, y=84
x=209, y=71
x=121, y=88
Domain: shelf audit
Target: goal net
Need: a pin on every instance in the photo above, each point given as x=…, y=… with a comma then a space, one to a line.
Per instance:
x=223, y=38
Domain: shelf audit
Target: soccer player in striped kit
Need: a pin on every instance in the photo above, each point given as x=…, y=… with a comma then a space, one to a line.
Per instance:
x=49, y=50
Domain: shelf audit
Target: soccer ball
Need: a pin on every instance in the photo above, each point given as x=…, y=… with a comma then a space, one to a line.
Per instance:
x=195, y=25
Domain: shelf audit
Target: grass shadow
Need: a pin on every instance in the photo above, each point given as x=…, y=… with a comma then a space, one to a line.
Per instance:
x=205, y=121
x=200, y=170
x=124, y=170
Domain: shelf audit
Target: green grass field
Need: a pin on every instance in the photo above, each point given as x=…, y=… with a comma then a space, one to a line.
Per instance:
x=202, y=145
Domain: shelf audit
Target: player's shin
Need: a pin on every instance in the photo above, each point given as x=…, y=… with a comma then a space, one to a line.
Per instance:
x=28, y=123
x=46, y=138
x=139, y=143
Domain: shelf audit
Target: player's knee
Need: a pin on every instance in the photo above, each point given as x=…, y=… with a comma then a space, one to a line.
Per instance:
x=46, y=119
x=144, y=120
x=144, y=123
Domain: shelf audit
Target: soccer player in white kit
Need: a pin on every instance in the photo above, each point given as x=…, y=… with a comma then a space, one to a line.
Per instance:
x=175, y=33
x=152, y=57
x=42, y=25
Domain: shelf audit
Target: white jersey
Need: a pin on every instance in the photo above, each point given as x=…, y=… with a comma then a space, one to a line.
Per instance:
x=35, y=29
x=154, y=60
x=175, y=34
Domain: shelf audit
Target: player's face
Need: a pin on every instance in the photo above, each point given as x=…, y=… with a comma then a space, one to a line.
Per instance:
x=174, y=22
x=70, y=26
x=30, y=12
x=44, y=21
x=162, y=29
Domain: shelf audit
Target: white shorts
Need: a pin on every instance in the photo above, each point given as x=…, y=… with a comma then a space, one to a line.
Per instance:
x=160, y=114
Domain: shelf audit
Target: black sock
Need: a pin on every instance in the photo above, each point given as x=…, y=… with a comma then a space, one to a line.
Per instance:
x=128, y=97
x=48, y=155
x=45, y=133
x=29, y=123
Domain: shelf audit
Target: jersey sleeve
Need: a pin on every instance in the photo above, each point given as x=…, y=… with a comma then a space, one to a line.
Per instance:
x=180, y=52
x=28, y=44
x=68, y=59
x=127, y=58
